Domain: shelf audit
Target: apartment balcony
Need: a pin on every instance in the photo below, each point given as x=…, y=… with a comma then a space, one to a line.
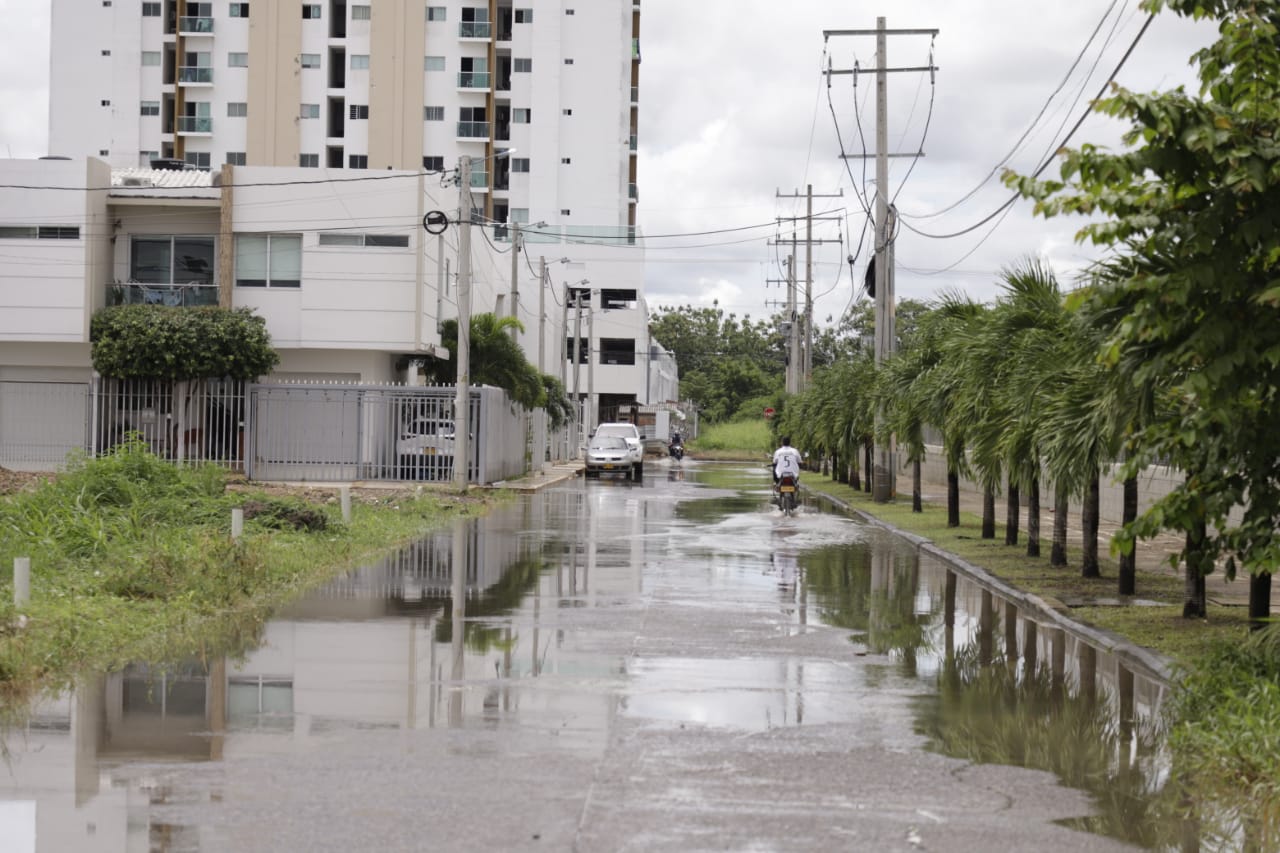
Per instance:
x=480, y=180
x=189, y=26
x=475, y=30
x=476, y=130
x=176, y=295
x=634, y=143
x=474, y=80
x=195, y=125
x=194, y=75
x=635, y=95
x=633, y=193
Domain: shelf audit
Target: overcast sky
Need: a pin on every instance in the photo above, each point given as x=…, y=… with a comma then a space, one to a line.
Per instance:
x=734, y=110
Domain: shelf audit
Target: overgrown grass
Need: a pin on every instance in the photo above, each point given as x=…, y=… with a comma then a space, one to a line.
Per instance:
x=131, y=559
x=746, y=439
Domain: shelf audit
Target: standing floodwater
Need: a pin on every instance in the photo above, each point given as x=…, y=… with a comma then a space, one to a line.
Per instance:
x=607, y=665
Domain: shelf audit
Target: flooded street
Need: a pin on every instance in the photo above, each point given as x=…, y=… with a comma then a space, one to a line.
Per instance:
x=665, y=665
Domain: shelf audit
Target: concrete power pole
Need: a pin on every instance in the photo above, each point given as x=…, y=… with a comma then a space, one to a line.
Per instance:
x=886, y=334
x=462, y=399
x=542, y=314
x=804, y=369
x=515, y=278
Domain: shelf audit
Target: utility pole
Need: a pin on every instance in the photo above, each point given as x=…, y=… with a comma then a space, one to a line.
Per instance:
x=793, y=339
x=542, y=313
x=462, y=399
x=886, y=333
x=577, y=369
x=515, y=279
x=803, y=353
x=591, y=367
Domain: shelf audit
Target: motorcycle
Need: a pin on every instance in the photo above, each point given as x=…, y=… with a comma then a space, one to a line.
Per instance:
x=676, y=450
x=788, y=491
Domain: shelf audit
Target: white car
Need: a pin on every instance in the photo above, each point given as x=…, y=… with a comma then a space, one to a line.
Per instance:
x=425, y=450
x=635, y=444
x=609, y=454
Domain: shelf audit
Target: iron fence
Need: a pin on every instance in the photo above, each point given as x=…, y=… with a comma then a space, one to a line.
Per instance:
x=42, y=422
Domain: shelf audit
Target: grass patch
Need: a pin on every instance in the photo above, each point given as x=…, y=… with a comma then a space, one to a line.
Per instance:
x=1161, y=628
x=132, y=560
x=748, y=439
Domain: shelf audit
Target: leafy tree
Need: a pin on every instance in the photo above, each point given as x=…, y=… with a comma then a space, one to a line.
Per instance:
x=162, y=342
x=495, y=359
x=1192, y=213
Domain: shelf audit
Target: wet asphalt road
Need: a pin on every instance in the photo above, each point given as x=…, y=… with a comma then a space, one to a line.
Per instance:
x=644, y=667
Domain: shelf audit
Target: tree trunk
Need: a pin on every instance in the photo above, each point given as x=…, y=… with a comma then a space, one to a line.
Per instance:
x=1194, y=606
x=1033, y=518
x=1259, y=601
x=840, y=473
x=1058, y=553
x=855, y=479
x=1129, y=562
x=988, y=512
x=917, y=504
x=867, y=468
x=1011, y=515
x=953, y=498
x=1089, y=530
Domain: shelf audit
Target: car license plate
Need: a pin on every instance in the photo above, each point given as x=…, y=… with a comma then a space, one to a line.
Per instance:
x=787, y=489
x=606, y=466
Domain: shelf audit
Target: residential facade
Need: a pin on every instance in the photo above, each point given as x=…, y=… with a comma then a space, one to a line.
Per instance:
x=386, y=84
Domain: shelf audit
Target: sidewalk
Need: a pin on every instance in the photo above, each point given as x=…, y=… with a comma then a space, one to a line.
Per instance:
x=1152, y=554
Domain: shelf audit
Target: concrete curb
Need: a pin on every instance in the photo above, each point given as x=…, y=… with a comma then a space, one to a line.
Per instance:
x=541, y=479
x=1135, y=657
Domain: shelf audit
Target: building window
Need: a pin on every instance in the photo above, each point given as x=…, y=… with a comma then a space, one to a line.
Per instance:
x=524, y=16
x=433, y=163
x=335, y=238
x=617, y=299
x=104, y=152
x=145, y=158
x=576, y=349
x=237, y=109
x=311, y=11
x=309, y=161
x=433, y=63
x=150, y=10
x=568, y=62
x=239, y=10
x=564, y=211
x=359, y=62
x=39, y=232
x=150, y=57
x=357, y=161
x=617, y=351
x=565, y=161
x=519, y=164
x=237, y=60
x=567, y=112
x=435, y=13
x=268, y=260
x=359, y=111
x=106, y=53
x=361, y=13
x=433, y=113
x=236, y=158
x=520, y=116
x=106, y=103
x=309, y=111
x=150, y=108
x=199, y=159
x=310, y=60
x=521, y=65
x=166, y=259
x=568, y=11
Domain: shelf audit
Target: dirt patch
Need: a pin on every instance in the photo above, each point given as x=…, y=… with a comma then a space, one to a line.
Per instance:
x=17, y=481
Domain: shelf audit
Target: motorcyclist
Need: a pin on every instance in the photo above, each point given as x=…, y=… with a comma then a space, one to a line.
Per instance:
x=676, y=446
x=786, y=460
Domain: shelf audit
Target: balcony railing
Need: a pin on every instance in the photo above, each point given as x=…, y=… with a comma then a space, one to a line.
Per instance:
x=195, y=124
x=475, y=29
x=634, y=142
x=195, y=74
x=635, y=94
x=479, y=180
x=473, y=79
x=195, y=26
x=473, y=130
x=177, y=295
x=633, y=192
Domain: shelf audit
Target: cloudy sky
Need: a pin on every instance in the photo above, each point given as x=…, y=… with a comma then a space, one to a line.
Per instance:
x=735, y=110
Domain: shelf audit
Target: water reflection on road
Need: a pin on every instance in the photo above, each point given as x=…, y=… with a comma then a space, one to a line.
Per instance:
x=766, y=624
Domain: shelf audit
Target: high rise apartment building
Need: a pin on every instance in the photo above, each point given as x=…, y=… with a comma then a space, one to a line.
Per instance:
x=384, y=84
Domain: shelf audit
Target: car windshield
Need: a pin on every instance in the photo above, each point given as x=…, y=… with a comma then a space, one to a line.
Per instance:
x=625, y=431
x=608, y=442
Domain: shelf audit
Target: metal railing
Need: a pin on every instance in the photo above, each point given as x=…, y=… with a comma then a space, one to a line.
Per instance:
x=473, y=130
x=195, y=25
x=195, y=74
x=42, y=422
x=473, y=79
x=195, y=124
x=475, y=30
x=180, y=295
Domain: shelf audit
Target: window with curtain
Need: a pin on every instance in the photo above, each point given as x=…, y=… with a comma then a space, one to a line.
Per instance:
x=268, y=260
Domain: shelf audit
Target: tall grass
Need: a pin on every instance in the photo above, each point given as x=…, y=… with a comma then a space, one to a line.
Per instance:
x=747, y=438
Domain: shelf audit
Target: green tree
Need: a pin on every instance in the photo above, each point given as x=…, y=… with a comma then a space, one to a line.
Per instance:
x=495, y=359
x=1192, y=213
